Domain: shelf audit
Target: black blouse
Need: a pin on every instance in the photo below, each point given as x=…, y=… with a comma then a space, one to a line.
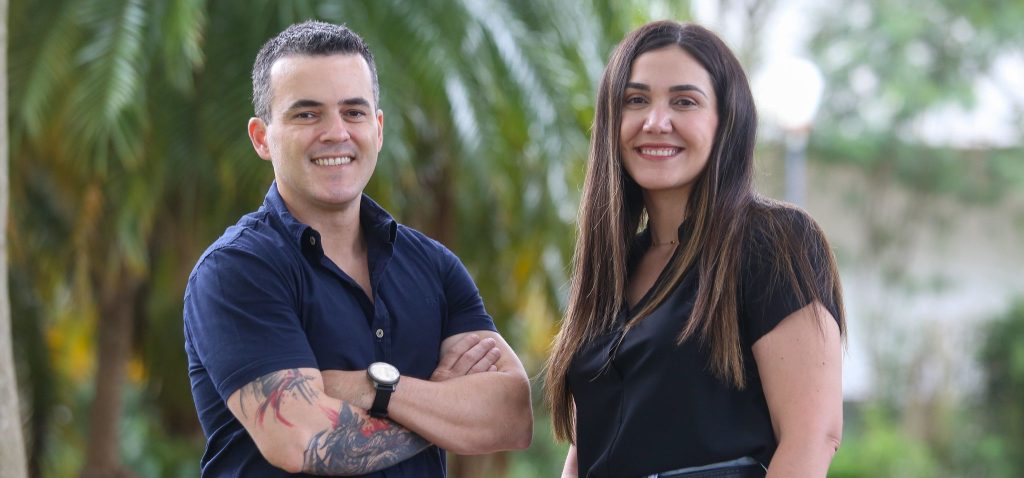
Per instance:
x=656, y=406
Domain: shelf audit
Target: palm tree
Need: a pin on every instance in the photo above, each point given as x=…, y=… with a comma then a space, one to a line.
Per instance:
x=12, y=448
x=129, y=156
x=86, y=82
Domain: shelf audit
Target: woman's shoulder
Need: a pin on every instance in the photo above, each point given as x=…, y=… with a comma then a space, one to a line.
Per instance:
x=778, y=227
x=768, y=212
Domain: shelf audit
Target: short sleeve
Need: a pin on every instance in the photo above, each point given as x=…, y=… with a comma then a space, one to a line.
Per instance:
x=774, y=287
x=465, y=307
x=241, y=319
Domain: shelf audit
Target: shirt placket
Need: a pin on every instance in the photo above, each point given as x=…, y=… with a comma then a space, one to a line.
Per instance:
x=379, y=256
x=381, y=328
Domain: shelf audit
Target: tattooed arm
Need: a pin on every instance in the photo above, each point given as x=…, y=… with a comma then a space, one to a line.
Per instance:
x=338, y=438
x=298, y=428
x=468, y=415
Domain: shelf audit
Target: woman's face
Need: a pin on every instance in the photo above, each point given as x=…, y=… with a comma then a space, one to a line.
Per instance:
x=669, y=117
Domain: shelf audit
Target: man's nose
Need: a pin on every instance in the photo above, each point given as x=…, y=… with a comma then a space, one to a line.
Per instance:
x=658, y=121
x=335, y=129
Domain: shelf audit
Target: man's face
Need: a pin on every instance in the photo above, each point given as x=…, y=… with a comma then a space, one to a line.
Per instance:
x=324, y=134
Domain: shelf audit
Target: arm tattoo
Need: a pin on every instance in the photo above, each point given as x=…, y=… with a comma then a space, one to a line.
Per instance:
x=359, y=444
x=269, y=390
x=353, y=444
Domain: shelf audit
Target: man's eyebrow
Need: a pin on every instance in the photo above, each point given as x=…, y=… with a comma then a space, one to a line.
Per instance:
x=304, y=104
x=355, y=101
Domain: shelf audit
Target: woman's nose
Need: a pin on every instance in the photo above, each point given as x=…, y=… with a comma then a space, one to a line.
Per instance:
x=658, y=121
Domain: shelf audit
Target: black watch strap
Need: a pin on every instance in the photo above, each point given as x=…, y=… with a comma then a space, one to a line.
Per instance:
x=381, y=400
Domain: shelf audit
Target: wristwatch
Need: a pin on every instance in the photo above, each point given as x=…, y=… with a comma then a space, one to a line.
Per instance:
x=384, y=377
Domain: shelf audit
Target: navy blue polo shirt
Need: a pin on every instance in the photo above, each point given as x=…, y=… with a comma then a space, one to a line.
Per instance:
x=264, y=298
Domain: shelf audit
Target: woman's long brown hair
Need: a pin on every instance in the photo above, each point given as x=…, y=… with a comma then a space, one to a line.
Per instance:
x=722, y=210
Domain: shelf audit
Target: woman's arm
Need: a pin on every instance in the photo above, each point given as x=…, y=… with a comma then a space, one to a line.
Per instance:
x=569, y=470
x=800, y=363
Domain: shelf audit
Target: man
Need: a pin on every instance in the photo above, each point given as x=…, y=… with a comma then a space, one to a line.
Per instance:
x=286, y=312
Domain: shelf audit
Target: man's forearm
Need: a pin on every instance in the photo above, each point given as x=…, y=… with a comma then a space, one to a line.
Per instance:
x=358, y=444
x=474, y=414
x=470, y=415
x=300, y=428
x=476, y=401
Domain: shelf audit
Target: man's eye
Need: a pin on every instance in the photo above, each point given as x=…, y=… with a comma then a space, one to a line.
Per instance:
x=305, y=115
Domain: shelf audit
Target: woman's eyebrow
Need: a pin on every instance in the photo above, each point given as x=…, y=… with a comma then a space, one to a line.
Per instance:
x=687, y=87
x=673, y=89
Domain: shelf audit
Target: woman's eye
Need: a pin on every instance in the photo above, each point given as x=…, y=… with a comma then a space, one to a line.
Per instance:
x=685, y=102
x=635, y=100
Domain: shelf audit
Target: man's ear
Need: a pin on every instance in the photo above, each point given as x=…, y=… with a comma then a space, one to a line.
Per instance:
x=258, y=136
x=380, y=129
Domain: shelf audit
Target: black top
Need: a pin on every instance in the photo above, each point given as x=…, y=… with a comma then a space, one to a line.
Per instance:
x=656, y=406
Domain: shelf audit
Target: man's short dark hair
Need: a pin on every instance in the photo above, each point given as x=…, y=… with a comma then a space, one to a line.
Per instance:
x=310, y=38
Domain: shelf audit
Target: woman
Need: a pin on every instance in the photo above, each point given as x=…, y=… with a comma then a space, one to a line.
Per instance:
x=713, y=336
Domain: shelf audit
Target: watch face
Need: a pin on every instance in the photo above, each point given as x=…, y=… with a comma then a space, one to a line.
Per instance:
x=383, y=373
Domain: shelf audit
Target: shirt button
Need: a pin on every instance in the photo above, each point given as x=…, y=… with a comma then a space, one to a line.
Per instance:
x=380, y=333
x=312, y=240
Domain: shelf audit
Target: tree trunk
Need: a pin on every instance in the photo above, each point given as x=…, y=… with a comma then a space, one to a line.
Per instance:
x=12, y=447
x=114, y=339
x=494, y=465
x=443, y=228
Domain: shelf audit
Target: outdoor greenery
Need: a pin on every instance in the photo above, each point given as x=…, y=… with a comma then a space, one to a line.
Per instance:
x=1003, y=357
x=128, y=156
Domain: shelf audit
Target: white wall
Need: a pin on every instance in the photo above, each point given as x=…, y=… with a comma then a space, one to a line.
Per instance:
x=958, y=266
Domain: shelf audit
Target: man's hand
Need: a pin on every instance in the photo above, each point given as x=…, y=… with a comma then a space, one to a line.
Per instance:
x=469, y=355
x=472, y=413
x=477, y=400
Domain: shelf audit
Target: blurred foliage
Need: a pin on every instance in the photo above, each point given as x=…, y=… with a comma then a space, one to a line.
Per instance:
x=1002, y=356
x=880, y=447
x=545, y=457
x=890, y=66
x=982, y=437
x=890, y=63
x=129, y=156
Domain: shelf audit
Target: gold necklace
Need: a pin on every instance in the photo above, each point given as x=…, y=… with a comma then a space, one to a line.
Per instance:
x=669, y=243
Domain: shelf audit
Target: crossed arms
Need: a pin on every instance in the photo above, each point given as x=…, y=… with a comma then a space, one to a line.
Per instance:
x=312, y=421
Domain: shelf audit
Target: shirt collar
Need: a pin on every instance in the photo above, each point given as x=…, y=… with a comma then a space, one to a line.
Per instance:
x=378, y=225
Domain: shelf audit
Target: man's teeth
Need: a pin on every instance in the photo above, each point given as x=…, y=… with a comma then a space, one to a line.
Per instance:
x=659, y=151
x=332, y=161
